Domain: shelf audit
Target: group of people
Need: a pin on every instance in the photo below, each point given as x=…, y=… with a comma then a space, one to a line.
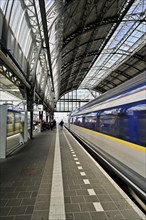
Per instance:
x=51, y=124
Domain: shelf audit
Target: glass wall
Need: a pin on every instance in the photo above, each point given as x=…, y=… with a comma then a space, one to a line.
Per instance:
x=75, y=99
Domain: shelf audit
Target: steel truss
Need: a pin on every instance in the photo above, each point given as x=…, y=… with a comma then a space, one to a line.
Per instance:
x=38, y=52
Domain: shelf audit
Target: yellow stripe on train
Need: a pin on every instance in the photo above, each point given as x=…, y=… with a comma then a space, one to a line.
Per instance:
x=136, y=146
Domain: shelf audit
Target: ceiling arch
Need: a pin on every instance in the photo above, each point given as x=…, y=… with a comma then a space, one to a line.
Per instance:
x=88, y=27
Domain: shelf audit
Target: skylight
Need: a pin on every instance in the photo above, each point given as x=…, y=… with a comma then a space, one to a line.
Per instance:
x=129, y=36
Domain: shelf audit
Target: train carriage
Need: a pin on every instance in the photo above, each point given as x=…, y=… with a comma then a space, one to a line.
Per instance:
x=114, y=126
x=122, y=115
x=13, y=122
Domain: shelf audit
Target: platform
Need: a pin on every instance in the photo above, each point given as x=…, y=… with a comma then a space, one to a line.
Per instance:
x=54, y=178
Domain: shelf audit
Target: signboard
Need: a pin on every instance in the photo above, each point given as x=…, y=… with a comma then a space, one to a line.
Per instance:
x=38, y=108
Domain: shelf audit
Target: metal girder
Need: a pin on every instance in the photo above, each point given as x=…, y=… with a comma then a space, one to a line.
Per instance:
x=31, y=12
x=138, y=17
x=55, y=32
x=139, y=57
x=64, y=75
x=13, y=74
x=80, y=30
x=128, y=64
x=100, y=18
x=5, y=71
x=100, y=89
x=36, y=58
x=38, y=51
x=99, y=38
x=89, y=27
x=106, y=81
x=92, y=93
x=14, y=91
x=123, y=74
x=85, y=13
x=79, y=58
x=74, y=100
x=33, y=21
x=44, y=23
x=125, y=9
x=117, y=78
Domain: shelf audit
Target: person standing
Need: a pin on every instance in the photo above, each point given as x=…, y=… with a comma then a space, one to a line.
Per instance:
x=61, y=124
x=54, y=123
x=51, y=125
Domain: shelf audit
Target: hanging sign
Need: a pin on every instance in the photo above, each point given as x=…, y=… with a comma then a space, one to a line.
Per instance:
x=38, y=108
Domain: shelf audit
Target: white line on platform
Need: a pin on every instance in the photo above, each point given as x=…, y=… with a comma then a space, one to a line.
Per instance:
x=83, y=173
x=91, y=192
x=98, y=207
x=77, y=162
x=80, y=168
x=75, y=158
x=86, y=181
x=57, y=208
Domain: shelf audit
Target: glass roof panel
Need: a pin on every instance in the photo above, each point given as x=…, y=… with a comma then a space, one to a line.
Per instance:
x=127, y=38
x=3, y=5
x=82, y=94
x=54, y=20
x=48, y=3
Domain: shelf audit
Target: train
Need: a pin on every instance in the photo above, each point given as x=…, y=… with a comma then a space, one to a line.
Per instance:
x=114, y=125
x=14, y=125
x=15, y=122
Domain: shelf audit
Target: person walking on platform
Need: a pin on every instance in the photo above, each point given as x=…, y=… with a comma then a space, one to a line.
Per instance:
x=61, y=124
x=51, y=124
x=54, y=123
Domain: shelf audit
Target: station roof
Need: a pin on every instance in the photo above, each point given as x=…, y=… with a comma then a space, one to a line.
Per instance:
x=103, y=43
x=86, y=44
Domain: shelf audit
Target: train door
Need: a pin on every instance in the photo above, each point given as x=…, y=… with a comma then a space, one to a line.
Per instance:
x=83, y=121
x=127, y=125
x=141, y=124
x=98, y=122
x=123, y=126
x=138, y=124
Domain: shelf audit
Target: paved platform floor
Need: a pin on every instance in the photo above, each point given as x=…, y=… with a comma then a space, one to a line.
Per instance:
x=36, y=185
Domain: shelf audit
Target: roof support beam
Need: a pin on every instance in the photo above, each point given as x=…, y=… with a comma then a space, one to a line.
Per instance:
x=123, y=74
x=139, y=57
x=81, y=45
x=16, y=75
x=132, y=66
x=44, y=23
x=109, y=82
x=90, y=27
x=113, y=28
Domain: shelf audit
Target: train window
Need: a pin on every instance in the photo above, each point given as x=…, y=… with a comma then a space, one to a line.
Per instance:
x=17, y=122
x=108, y=122
x=140, y=107
x=90, y=121
x=138, y=123
x=10, y=117
x=10, y=124
x=79, y=120
x=22, y=122
x=141, y=124
x=71, y=120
